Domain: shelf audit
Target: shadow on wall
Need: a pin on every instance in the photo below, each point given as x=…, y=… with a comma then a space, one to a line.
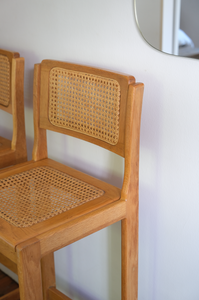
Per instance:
x=76, y=278
x=151, y=128
x=86, y=157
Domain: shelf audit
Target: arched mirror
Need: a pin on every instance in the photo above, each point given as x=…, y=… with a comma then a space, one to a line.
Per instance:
x=170, y=25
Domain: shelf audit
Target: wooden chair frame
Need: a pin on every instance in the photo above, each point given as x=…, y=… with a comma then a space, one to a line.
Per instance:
x=14, y=152
x=29, y=251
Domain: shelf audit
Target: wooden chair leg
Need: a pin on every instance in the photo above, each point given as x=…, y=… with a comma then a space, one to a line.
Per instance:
x=48, y=273
x=129, y=259
x=29, y=270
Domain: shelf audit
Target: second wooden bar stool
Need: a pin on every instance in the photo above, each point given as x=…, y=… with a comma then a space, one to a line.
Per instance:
x=12, y=101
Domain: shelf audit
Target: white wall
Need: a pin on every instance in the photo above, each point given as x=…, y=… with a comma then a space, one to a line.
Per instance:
x=104, y=34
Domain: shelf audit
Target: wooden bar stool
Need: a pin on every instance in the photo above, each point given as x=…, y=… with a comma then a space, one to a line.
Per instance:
x=12, y=101
x=46, y=205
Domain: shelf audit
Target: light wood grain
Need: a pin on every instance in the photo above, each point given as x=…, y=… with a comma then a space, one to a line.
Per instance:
x=19, y=135
x=29, y=270
x=130, y=192
x=8, y=263
x=5, y=145
x=7, y=250
x=48, y=273
x=83, y=226
x=40, y=142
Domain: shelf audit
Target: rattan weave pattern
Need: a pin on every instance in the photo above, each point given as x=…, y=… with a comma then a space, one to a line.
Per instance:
x=85, y=103
x=4, y=80
x=38, y=194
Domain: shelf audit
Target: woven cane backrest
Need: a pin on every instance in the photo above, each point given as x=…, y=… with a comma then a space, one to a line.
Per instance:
x=6, y=58
x=84, y=102
x=4, y=80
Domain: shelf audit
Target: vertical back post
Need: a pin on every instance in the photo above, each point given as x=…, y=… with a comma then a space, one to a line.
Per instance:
x=40, y=142
x=18, y=143
x=130, y=191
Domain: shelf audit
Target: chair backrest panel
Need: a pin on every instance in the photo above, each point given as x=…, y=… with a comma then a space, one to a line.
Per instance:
x=5, y=78
x=12, y=101
x=84, y=102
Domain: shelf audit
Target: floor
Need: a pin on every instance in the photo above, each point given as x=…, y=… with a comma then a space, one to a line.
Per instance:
x=9, y=289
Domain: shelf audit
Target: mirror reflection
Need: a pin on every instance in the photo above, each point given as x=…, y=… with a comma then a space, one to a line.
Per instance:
x=170, y=25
